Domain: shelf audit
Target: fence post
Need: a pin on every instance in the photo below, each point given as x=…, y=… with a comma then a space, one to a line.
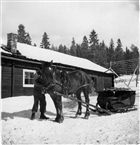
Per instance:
x=133, y=75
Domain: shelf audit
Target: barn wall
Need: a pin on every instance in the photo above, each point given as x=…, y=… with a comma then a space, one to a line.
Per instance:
x=6, y=81
x=8, y=90
x=18, y=84
x=102, y=82
x=108, y=82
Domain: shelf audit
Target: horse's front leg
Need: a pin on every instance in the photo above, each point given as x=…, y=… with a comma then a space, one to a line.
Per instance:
x=59, y=110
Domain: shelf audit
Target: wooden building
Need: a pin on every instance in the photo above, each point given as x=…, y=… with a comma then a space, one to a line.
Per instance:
x=20, y=61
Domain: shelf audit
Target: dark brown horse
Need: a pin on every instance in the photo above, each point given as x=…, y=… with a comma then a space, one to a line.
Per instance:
x=63, y=82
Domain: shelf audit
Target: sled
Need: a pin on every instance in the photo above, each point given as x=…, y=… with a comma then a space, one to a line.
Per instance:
x=116, y=99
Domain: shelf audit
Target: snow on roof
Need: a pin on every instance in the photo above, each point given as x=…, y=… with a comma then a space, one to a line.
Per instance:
x=57, y=57
x=2, y=50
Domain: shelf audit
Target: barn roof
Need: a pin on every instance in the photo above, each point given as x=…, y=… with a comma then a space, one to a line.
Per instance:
x=57, y=57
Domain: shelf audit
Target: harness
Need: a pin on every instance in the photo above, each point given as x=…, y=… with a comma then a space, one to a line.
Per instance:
x=47, y=86
x=40, y=84
x=65, y=84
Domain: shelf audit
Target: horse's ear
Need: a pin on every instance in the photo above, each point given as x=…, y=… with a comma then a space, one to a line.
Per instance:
x=42, y=64
x=51, y=62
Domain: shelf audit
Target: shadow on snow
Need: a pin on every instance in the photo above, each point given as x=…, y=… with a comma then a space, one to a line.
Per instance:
x=22, y=114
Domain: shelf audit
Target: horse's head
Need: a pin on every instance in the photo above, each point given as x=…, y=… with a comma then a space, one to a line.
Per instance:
x=47, y=72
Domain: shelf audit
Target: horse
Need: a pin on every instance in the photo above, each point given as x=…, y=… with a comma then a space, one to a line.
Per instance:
x=67, y=83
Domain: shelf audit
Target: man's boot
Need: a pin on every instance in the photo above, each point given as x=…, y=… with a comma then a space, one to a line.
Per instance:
x=33, y=116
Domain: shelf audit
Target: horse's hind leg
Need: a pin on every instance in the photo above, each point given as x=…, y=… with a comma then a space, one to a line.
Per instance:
x=79, y=110
x=87, y=114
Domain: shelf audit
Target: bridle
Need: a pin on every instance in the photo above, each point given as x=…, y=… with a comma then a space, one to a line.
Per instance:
x=49, y=83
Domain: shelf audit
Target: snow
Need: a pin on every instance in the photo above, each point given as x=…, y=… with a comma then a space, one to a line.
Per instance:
x=130, y=80
x=57, y=57
x=17, y=128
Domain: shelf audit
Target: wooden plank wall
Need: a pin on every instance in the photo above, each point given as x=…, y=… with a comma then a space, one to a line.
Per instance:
x=19, y=90
x=6, y=81
x=18, y=85
x=100, y=84
x=17, y=77
x=108, y=82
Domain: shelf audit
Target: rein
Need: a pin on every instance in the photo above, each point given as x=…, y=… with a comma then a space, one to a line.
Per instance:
x=79, y=88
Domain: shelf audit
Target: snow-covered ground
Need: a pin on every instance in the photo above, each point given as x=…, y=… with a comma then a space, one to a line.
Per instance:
x=17, y=128
x=126, y=81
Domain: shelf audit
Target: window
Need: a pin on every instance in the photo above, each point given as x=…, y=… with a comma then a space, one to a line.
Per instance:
x=28, y=78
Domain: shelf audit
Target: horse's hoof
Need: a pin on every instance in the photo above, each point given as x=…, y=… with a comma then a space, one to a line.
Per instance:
x=77, y=116
x=32, y=116
x=44, y=117
x=60, y=120
x=86, y=117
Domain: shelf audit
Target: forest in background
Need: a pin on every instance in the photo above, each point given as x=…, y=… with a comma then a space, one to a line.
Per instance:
x=122, y=60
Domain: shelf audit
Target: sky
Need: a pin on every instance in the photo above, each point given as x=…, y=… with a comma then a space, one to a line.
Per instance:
x=65, y=20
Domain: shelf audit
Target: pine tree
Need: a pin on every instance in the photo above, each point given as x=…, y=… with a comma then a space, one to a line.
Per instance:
x=23, y=37
x=111, y=52
x=127, y=54
x=65, y=49
x=119, y=54
x=45, y=41
x=135, y=51
x=93, y=45
x=78, y=51
x=119, y=57
x=28, y=39
x=60, y=48
x=93, y=41
x=102, y=54
x=73, y=47
x=84, y=48
x=21, y=34
x=54, y=48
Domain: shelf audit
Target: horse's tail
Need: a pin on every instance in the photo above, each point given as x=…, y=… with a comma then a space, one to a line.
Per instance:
x=91, y=84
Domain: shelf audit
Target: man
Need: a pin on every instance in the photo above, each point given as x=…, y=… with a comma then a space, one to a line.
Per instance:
x=39, y=97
